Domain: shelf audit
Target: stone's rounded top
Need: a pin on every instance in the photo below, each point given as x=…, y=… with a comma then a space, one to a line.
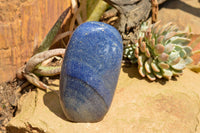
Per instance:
x=96, y=43
x=98, y=27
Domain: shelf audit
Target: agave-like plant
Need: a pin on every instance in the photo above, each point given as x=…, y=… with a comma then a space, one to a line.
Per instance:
x=160, y=51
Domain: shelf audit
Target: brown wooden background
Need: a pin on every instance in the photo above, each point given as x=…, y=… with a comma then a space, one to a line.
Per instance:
x=22, y=22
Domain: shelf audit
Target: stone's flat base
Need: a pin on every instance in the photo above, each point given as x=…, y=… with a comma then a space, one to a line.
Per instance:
x=138, y=106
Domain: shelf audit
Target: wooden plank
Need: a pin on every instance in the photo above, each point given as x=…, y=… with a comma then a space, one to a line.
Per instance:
x=22, y=22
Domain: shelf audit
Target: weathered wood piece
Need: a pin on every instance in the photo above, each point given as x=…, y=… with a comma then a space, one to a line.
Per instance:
x=132, y=13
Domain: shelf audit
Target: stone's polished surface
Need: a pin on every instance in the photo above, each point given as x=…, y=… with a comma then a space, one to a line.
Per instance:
x=90, y=72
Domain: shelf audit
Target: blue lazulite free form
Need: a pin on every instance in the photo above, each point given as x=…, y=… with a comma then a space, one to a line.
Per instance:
x=90, y=72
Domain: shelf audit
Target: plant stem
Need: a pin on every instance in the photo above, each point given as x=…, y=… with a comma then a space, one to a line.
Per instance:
x=98, y=11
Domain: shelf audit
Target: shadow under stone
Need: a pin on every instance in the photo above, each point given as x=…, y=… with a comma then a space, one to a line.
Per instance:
x=51, y=100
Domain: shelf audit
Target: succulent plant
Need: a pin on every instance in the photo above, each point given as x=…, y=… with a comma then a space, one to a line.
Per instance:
x=160, y=52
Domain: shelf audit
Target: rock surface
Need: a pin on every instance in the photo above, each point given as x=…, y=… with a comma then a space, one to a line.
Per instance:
x=181, y=12
x=138, y=106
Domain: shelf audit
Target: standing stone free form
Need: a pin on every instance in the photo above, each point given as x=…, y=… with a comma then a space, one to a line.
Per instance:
x=90, y=72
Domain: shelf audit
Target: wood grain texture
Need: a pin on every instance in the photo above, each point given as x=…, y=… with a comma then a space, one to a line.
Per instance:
x=22, y=22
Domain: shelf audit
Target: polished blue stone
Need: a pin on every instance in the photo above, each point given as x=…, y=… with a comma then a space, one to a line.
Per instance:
x=90, y=71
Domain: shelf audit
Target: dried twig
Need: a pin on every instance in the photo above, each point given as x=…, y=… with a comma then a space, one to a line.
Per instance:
x=38, y=58
x=61, y=36
x=154, y=10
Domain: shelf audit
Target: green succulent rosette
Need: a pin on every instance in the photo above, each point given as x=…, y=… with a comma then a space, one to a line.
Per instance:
x=160, y=51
